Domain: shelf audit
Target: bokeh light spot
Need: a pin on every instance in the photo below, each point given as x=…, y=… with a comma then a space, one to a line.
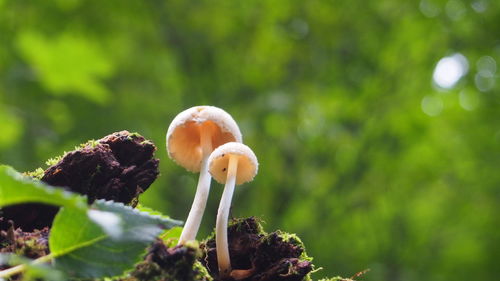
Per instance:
x=484, y=80
x=429, y=8
x=468, y=100
x=455, y=9
x=279, y=101
x=432, y=105
x=479, y=6
x=486, y=64
x=449, y=70
x=312, y=122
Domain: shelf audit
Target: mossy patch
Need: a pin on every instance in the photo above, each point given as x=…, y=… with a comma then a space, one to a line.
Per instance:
x=176, y=263
x=36, y=174
x=117, y=167
x=28, y=244
x=258, y=256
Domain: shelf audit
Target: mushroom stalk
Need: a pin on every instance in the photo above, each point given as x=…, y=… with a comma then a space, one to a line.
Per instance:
x=223, y=258
x=193, y=220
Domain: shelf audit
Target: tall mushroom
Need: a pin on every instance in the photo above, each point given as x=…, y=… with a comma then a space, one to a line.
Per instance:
x=231, y=163
x=191, y=137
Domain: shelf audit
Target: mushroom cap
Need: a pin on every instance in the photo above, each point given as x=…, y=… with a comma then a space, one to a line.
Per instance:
x=183, y=135
x=219, y=160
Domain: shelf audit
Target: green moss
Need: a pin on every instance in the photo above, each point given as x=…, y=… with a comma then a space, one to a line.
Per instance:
x=136, y=135
x=146, y=142
x=201, y=272
x=29, y=246
x=36, y=174
x=186, y=267
x=55, y=160
x=88, y=144
x=39, y=172
x=145, y=271
x=292, y=238
x=189, y=268
x=241, y=223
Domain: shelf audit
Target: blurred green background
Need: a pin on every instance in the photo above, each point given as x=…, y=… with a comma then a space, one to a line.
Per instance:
x=376, y=123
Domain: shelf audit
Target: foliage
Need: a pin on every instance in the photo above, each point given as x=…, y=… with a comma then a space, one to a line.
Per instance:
x=362, y=153
x=16, y=188
x=114, y=239
x=103, y=240
x=33, y=271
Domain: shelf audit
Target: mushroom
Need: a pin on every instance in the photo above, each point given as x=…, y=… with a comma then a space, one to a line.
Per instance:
x=231, y=163
x=191, y=137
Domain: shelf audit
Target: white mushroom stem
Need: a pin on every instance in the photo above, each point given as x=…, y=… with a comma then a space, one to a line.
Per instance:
x=222, y=218
x=193, y=221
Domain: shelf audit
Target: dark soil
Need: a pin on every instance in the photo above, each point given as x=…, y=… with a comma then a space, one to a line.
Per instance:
x=256, y=256
x=117, y=167
x=176, y=263
x=28, y=244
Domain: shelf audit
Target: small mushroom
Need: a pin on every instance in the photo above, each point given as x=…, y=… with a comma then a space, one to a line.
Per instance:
x=231, y=163
x=191, y=137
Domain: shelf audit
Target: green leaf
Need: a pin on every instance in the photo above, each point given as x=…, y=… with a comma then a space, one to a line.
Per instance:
x=16, y=188
x=171, y=236
x=105, y=241
x=33, y=271
x=67, y=64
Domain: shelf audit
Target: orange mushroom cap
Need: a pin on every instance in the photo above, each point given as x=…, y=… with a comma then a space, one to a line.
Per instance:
x=183, y=135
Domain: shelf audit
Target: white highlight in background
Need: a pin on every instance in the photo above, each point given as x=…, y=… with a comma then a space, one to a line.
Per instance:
x=449, y=70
